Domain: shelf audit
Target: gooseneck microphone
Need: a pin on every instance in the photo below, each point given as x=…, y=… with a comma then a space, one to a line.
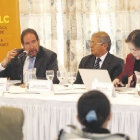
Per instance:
x=21, y=52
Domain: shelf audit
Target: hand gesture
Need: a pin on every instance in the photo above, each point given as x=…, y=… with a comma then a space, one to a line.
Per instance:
x=10, y=55
x=117, y=83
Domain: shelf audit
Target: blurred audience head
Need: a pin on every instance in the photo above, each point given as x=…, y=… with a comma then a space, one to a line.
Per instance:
x=93, y=111
x=11, y=123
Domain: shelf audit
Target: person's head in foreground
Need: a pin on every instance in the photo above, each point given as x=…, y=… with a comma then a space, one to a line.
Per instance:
x=11, y=123
x=133, y=41
x=94, y=113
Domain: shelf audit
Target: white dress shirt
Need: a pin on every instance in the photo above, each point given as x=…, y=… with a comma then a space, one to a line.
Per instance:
x=102, y=59
x=1, y=67
x=26, y=64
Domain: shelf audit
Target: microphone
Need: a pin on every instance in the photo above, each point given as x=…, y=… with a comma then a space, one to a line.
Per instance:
x=21, y=52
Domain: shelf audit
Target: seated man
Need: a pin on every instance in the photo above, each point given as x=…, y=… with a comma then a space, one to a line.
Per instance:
x=100, y=57
x=14, y=64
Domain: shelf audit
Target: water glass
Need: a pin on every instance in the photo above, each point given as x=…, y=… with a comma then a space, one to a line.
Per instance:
x=71, y=77
x=50, y=74
x=61, y=76
x=29, y=74
x=138, y=81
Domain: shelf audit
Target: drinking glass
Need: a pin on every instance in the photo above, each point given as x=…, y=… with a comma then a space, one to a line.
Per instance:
x=71, y=77
x=29, y=74
x=50, y=74
x=138, y=81
x=61, y=76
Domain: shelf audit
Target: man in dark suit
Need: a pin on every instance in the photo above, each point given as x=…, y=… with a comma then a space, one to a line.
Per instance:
x=16, y=63
x=100, y=57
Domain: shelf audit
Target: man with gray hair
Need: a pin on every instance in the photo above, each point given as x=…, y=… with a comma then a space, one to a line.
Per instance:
x=100, y=58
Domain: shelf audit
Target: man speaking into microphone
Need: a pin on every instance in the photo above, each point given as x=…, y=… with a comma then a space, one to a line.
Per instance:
x=32, y=55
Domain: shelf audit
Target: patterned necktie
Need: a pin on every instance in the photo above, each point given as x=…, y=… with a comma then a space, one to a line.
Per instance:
x=31, y=62
x=96, y=65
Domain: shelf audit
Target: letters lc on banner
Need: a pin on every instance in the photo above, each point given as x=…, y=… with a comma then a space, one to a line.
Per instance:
x=9, y=26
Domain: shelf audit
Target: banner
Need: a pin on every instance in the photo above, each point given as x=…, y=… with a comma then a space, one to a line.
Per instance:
x=9, y=26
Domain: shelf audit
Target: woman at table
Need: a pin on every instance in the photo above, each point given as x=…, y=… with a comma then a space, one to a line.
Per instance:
x=132, y=61
x=94, y=113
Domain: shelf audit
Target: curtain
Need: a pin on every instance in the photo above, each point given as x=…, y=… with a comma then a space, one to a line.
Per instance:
x=66, y=26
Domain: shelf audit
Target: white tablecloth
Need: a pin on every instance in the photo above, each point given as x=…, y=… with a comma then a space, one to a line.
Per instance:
x=46, y=115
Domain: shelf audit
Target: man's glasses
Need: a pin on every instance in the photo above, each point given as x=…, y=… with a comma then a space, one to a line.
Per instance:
x=94, y=43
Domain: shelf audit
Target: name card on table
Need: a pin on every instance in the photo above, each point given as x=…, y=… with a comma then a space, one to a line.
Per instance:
x=106, y=88
x=40, y=86
x=3, y=85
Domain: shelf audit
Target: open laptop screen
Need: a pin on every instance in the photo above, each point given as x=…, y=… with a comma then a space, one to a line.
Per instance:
x=90, y=75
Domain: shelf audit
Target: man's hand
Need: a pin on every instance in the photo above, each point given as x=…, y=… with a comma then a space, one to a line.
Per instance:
x=10, y=55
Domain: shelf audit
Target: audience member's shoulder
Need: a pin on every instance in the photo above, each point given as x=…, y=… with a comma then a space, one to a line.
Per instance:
x=70, y=132
x=75, y=133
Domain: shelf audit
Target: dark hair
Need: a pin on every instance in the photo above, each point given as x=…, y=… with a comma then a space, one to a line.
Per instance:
x=97, y=101
x=104, y=38
x=134, y=38
x=26, y=31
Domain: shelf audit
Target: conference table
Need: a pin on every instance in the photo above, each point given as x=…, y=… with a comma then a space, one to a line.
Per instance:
x=45, y=115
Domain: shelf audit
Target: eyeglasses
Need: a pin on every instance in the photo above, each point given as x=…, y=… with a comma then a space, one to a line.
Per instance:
x=34, y=42
x=94, y=43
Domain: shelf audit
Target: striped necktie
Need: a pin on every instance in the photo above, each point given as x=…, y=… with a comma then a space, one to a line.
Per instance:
x=96, y=65
x=31, y=62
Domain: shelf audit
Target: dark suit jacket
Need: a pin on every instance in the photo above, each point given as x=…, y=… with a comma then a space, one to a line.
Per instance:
x=45, y=60
x=128, y=69
x=113, y=64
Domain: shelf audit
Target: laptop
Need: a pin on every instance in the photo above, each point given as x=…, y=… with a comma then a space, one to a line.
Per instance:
x=90, y=75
